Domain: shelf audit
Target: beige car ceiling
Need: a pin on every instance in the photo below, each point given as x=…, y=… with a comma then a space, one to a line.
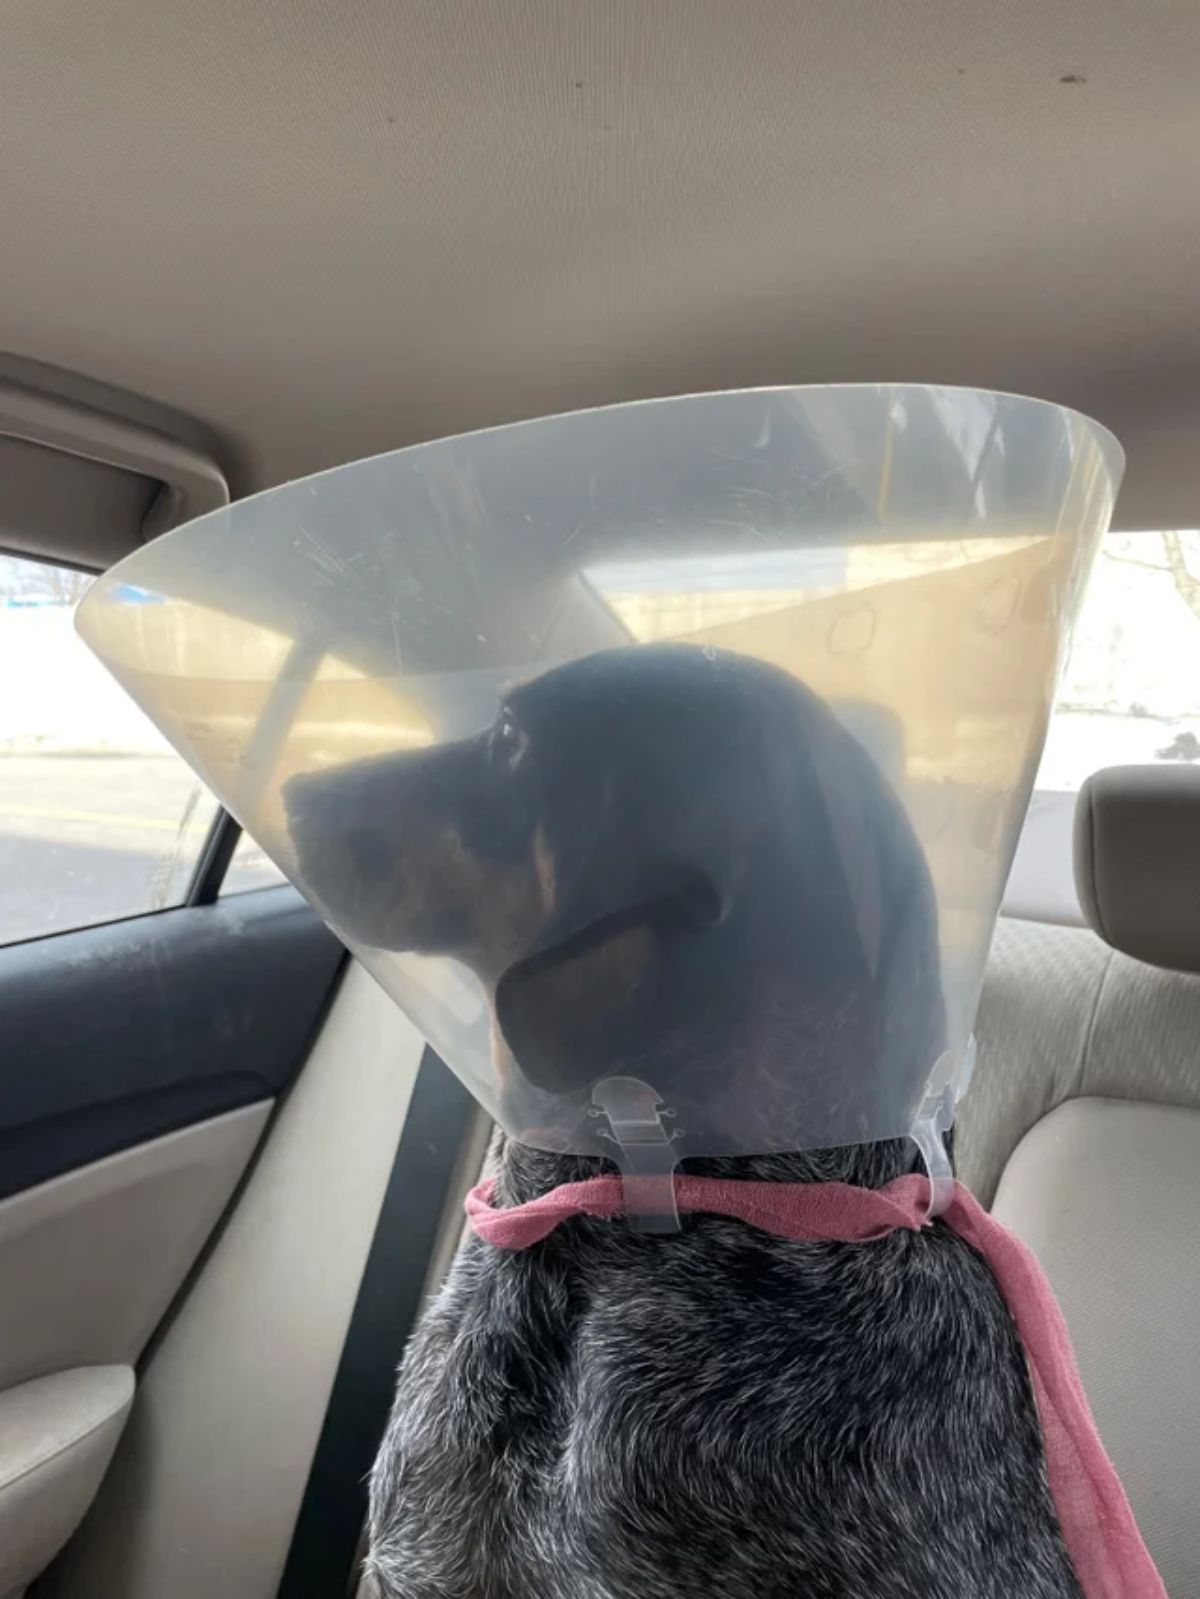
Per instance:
x=326, y=228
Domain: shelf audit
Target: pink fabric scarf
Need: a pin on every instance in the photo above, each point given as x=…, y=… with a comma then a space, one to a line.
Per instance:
x=1102, y=1539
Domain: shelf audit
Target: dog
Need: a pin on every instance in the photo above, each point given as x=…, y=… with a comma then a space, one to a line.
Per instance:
x=673, y=863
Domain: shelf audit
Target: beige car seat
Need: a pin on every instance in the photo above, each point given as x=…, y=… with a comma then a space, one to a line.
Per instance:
x=1082, y=1129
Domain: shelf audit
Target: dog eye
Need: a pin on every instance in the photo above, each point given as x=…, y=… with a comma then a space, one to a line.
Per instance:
x=508, y=739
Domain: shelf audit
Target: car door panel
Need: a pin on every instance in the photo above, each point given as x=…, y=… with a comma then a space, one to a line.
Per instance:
x=233, y=1395
x=141, y=1063
x=101, y=1252
x=57, y=1436
x=118, y=1034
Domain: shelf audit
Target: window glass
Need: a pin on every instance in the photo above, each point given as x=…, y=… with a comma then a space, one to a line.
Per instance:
x=1131, y=692
x=249, y=869
x=1130, y=695
x=99, y=817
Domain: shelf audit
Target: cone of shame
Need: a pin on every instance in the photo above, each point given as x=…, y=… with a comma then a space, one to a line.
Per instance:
x=712, y=718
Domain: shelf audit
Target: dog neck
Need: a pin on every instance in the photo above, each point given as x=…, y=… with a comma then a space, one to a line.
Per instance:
x=524, y=1173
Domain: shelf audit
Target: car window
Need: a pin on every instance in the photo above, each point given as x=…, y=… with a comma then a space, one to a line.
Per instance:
x=249, y=868
x=1130, y=695
x=1131, y=691
x=99, y=817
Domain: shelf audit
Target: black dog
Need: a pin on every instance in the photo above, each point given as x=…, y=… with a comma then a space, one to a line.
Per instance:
x=673, y=863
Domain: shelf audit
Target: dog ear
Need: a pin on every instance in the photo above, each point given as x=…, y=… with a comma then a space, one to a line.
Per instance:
x=579, y=1006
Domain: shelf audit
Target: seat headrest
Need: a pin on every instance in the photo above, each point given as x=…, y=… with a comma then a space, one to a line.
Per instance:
x=1137, y=861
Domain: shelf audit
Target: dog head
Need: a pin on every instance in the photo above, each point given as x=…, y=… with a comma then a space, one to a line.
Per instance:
x=660, y=861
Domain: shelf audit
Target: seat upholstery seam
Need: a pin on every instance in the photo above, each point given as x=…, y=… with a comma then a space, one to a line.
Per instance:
x=1075, y=1091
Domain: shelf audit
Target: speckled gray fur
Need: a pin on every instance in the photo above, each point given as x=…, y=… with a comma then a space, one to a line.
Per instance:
x=609, y=1415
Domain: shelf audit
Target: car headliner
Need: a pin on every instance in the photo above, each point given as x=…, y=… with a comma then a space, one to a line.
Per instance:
x=329, y=230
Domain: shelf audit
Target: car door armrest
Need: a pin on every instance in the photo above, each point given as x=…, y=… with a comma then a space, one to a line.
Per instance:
x=57, y=1436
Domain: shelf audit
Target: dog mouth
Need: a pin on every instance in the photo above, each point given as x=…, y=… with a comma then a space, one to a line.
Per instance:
x=387, y=919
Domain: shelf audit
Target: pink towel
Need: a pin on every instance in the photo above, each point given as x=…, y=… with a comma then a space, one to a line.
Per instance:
x=1102, y=1539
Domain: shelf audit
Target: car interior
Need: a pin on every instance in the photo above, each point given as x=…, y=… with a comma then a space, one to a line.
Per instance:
x=247, y=242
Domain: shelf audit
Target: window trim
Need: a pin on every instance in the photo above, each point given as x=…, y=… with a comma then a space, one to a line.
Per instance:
x=214, y=859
